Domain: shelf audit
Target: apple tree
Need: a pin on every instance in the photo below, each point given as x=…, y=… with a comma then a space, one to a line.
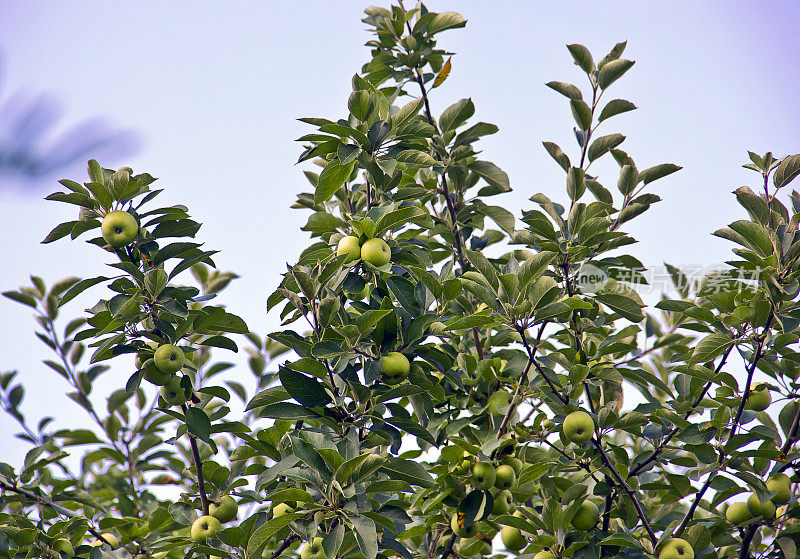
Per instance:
x=449, y=376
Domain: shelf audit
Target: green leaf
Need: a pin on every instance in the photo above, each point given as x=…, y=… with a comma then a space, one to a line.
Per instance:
x=21, y=298
x=582, y=56
x=492, y=174
x=501, y=216
x=787, y=170
x=416, y=157
x=612, y=71
x=306, y=390
x=408, y=470
x=366, y=535
x=603, y=144
x=263, y=533
x=615, y=107
x=566, y=89
x=445, y=20
x=221, y=342
x=198, y=423
x=456, y=114
x=711, y=347
x=286, y=410
x=557, y=154
x=61, y=230
x=331, y=179
x=659, y=171
x=155, y=281
x=622, y=305
x=582, y=113
x=79, y=288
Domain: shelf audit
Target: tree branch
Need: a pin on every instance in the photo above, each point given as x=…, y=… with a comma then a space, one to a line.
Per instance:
x=722, y=454
x=674, y=431
x=198, y=465
x=621, y=482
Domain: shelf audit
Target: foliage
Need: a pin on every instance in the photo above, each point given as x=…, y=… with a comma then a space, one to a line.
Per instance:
x=507, y=330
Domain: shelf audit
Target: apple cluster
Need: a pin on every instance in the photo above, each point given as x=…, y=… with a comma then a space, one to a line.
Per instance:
x=373, y=251
x=160, y=368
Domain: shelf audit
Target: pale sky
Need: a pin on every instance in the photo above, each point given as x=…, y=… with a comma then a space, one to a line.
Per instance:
x=214, y=90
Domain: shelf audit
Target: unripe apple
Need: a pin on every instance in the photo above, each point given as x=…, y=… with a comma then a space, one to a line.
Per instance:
x=544, y=554
x=514, y=462
x=394, y=367
x=155, y=375
x=780, y=483
x=173, y=393
x=226, y=510
x=759, y=398
x=119, y=228
x=350, y=246
x=169, y=358
x=502, y=502
x=738, y=513
x=505, y=477
x=676, y=548
x=376, y=252
x=483, y=475
x=112, y=540
x=578, y=427
x=63, y=544
x=280, y=509
x=586, y=517
x=512, y=538
x=313, y=550
x=757, y=508
x=205, y=527
x=460, y=530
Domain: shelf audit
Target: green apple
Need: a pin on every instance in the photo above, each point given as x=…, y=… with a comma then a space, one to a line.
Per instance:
x=514, y=462
x=586, y=517
x=757, y=508
x=460, y=530
x=544, y=554
x=173, y=393
x=280, y=509
x=505, y=477
x=512, y=538
x=483, y=475
x=226, y=510
x=313, y=550
x=376, y=252
x=394, y=367
x=63, y=544
x=759, y=398
x=112, y=540
x=169, y=358
x=498, y=399
x=676, y=548
x=502, y=502
x=578, y=427
x=779, y=483
x=738, y=513
x=359, y=295
x=154, y=374
x=350, y=246
x=205, y=527
x=119, y=228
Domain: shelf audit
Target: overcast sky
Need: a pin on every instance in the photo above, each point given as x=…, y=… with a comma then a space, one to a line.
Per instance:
x=214, y=89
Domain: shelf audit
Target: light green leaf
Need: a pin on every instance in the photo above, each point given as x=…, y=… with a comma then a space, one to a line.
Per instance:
x=331, y=179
